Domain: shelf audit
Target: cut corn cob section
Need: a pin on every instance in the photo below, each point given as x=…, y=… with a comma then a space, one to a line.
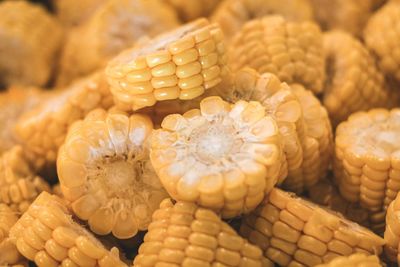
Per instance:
x=114, y=26
x=180, y=64
x=19, y=186
x=24, y=58
x=232, y=14
x=186, y=235
x=367, y=157
x=354, y=260
x=43, y=130
x=356, y=83
x=392, y=230
x=223, y=156
x=192, y=9
x=72, y=13
x=105, y=171
x=382, y=36
x=47, y=235
x=290, y=50
x=294, y=232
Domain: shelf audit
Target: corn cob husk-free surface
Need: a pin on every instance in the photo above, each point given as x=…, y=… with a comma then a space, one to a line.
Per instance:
x=47, y=235
x=182, y=234
x=295, y=232
x=43, y=129
x=192, y=9
x=392, y=230
x=25, y=59
x=290, y=50
x=105, y=171
x=72, y=13
x=354, y=260
x=223, y=156
x=182, y=63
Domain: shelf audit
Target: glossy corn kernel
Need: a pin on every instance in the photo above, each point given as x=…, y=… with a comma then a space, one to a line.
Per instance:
x=367, y=158
x=233, y=14
x=295, y=232
x=47, y=235
x=113, y=27
x=290, y=50
x=186, y=235
x=192, y=9
x=223, y=156
x=355, y=82
x=105, y=171
x=19, y=185
x=43, y=129
x=354, y=260
x=392, y=230
x=72, y=13
x=25, y=58
x=180, y=64
x=382, y=36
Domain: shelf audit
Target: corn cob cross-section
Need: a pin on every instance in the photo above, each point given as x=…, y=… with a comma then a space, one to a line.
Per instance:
x=295, y=232
x=180, y=64
x=186, y=235
x=354, y=260
x=223, y=156
x=105, y=171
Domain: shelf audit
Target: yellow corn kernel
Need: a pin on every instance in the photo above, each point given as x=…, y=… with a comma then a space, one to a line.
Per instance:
x=290, y=50
x=354, y=260
x=189, y=58
x=43, y=129
x=192, y=9
x=392, y=231
x=356, y=83
x=73, y=13
x=187, y=235
x=107, y=154
x=112, y=27
x=209, y=156
x=31, y=61
x=67, y=242
x=295, y=232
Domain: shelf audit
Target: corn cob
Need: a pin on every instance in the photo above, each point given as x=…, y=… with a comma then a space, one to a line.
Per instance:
x=186, y=235
x=43, y=129
x=233, y=14
x=294, y=232
x=292, y=51
x=356, y=83
x=189, y=10
x=24, y=58
x=180, y=64
x=223, y=156
x=366, y=164
x=72, y=13
x=114, y=26
x=392, y=230
x=105, y=171
x=382, y=36
x=354, y=260
x=19, y=186
x=47, y=235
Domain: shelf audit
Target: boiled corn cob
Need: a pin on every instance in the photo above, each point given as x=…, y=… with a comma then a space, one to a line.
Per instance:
x=43, y=129
x=192, y=9
x=294, y=232
x=182, y=234
x=105, y=171
x=233, y=14
x=47, y=235
x=180, y=64
x=72, y=13
x=290, y=50
x=354, y=260
x=392, y=230
x=223, y=156
x=114, y=26
x=25, y=59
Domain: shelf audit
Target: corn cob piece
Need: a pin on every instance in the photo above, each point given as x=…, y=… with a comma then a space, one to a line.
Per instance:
x=290, y=50
x=354, y=260
x=295, y=232
x=366, y=164
x=189, y=10
x=223, y=156
x=19, y=186
x=356, y=83
x=24, y=58
x=180, y=64
x=43, y=130
x=233, y=14
x=105, y=171
x=47, y=235
x=183, y=234
x=392, y=230
x=115, y=26
x=382, y=36
x=72, y=13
